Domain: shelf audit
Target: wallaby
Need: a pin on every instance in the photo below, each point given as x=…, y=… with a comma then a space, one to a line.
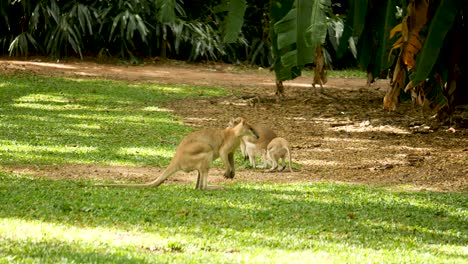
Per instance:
x=252, y=147
x=197, y=151
x=276, y=150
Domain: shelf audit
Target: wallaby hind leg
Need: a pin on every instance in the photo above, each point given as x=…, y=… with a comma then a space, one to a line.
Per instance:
x=244, y=150
x=289, y=160
x=202, y=183
x=283, y=164
x=198, y=185
x=252, y=161
x=274, y=164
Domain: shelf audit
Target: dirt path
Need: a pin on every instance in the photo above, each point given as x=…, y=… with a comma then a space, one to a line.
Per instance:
x=342, y=134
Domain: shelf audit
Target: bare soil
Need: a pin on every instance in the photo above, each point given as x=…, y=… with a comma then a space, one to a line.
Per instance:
x=341, y=134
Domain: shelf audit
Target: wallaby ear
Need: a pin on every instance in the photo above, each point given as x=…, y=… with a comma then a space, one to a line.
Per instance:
x=236, y=121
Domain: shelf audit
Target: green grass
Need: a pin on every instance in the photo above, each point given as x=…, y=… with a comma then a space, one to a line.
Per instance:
x=349, y=73
x=48, y=221
x=57, y=120
x=77, y=121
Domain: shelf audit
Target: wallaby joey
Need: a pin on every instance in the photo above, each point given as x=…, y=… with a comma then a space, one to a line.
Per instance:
x=197, y=151
x=276, y=150
x=252, y=147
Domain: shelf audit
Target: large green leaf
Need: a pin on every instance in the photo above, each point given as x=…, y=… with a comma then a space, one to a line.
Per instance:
x=374, y=43
x=166, y=11
x=354, y=24
x=296, y=35
x=20, y=44
x=440, y=24
x=317, y=31
x=388, y=21
x=234, y=20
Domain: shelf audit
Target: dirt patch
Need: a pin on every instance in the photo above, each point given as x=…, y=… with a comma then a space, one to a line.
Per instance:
x=342, y=134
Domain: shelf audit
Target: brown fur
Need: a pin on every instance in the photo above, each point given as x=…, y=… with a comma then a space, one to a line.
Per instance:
x=276, y=150
x=252, y=147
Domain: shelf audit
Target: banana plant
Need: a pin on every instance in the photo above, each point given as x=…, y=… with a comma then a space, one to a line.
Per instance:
x=412, y=48
x=369, y=22
x=297, y=28
x=431, y=45
x=232, y=25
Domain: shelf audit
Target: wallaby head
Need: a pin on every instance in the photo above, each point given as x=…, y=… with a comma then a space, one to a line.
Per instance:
x=242, y=128
x=250, y=146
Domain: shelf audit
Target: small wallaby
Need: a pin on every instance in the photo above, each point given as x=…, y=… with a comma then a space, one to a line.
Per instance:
x=276, y=150
x=199, y=149
x=252, y=147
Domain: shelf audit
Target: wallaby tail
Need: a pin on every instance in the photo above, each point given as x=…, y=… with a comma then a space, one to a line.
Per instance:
x=158, y=181
x=289, y=156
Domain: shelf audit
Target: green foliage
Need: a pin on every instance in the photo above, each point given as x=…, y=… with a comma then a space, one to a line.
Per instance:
x=296, y=35
x=440, y=25
x=234, y=19
x=20, y=44
x=370, y=24
x=70, y=221
x=128, y=28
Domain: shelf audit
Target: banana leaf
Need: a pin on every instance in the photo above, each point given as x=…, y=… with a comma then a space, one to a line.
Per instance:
x=374, y=43
x=235, y=19
x=296, y=34
x=440, y=24
x=166, y=11
x=354, y=24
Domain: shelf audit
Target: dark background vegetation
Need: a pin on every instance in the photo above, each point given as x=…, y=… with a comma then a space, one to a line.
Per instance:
x=131, y=29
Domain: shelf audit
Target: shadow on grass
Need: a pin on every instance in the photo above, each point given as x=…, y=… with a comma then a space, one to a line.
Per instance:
x=292, y=217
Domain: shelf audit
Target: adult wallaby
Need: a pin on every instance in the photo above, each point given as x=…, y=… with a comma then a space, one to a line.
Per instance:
x=251, y=147
x=199, y=149
x=276, y=150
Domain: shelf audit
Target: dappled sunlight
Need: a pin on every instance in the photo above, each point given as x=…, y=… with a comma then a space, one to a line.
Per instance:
x=371, y=128
x=41, y=106
x=347, y=140
x=87, y=126
x=42, y=98
x=156, y=109
x=138, y=120
x=407, y=230
x=12, y=146
x=70, y=102
x=35, y=230
x=409, y=148
x=284, y=221
x=147, y=151
x=320, y=163
x=292, y=84
x=42, y=64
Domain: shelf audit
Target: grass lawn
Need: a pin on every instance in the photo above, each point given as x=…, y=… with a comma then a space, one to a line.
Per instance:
x=48, y=120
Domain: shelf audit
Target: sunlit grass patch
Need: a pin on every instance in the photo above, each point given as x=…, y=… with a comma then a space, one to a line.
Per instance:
x=61, y=120
x=344, y=73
